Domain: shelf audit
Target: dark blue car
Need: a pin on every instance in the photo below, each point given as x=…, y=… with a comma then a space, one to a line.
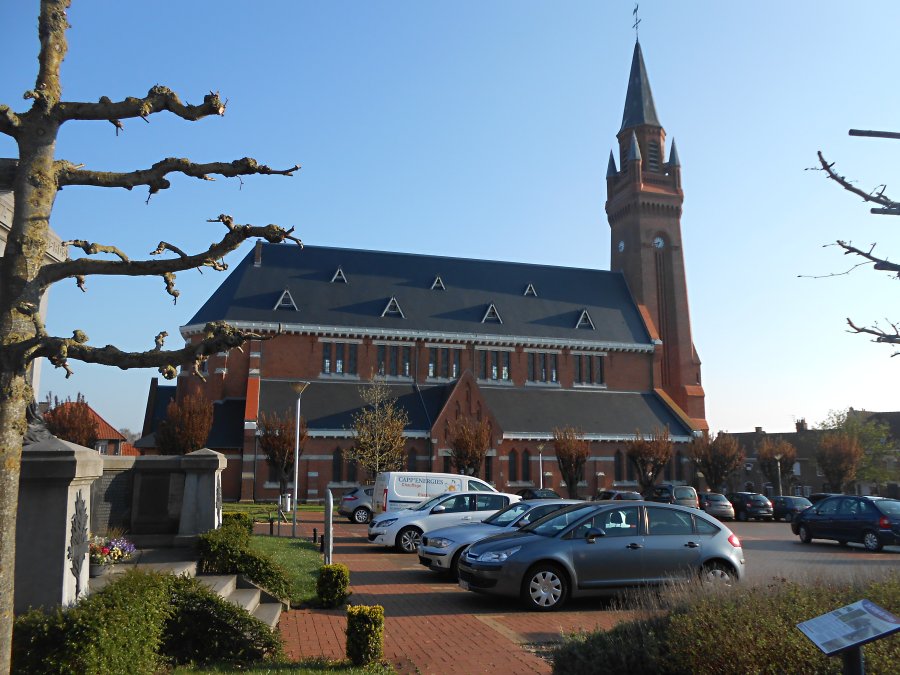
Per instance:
x=873, y=522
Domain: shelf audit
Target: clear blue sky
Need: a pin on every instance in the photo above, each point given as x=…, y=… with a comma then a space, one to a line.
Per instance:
x=482, y=129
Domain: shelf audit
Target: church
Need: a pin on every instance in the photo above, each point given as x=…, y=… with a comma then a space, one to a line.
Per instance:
x=526, y=347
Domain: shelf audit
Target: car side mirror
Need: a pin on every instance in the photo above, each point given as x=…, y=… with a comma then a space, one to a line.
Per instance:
x=593, y=533
x=440, y=508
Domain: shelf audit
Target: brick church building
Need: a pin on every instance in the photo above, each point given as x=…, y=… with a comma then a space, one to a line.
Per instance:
x=527, y=347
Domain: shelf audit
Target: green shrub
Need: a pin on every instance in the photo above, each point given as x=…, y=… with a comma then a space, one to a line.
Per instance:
x=332, y=584
x=238, y=518
x=365, y=634
x=744, y=630
x=227, y=551
x=204, y=628
x=116, y=630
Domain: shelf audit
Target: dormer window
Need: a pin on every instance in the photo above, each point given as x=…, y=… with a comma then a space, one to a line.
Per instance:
x=438, y=285
x=339, y=277
x=491, y=315
x=285, y=301
x=529, y=290
x=584, y=321
x=393, y=309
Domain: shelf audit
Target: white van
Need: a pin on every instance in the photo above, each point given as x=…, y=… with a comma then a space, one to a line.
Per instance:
x=396, y=490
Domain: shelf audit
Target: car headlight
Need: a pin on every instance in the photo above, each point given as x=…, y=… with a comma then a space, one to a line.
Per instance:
x=439, y=542
x=498, y=556
x=385, y=523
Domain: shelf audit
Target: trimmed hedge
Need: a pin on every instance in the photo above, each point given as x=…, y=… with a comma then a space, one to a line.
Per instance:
x=332, y=584
x=746, y=630
x=227, y=551
x=142, y=622
x=238, y=518
x=365, y=634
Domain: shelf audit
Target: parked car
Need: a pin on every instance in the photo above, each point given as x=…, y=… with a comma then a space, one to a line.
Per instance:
x=538, y=493
x=440, y=549
x=816, y=497
x=683, y=495
x=787, y=507
x=872, y=521
x=356, y=505
x=403, y=529
x=597, y=548
x=749, y=505
x=617, y=495
x=716, y=505
x=398, y=490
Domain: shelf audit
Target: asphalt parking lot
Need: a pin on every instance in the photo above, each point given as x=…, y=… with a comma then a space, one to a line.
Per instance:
x=433, y=626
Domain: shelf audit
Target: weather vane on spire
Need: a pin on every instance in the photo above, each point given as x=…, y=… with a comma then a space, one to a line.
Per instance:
x=637, y=21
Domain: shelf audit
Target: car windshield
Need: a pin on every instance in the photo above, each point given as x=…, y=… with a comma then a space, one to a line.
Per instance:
x=551, y=525
x=890, y=507
x=507, y=515
x=684, y=493
x=715, y=498
x=424, y=506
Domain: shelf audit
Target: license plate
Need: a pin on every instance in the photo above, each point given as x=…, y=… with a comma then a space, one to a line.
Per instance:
x=464, y=585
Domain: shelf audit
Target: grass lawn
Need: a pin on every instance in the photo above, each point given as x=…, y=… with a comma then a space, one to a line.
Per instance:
x=262, y=511
x=299, y=557
x=308, y=666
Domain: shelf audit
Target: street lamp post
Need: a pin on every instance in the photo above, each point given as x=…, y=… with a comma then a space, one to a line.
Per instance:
x=541, y=464
x=778, y=465
x=298, y=388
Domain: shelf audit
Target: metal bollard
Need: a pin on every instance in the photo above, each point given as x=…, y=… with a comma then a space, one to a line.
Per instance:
x=322, y=544
x=315, y=534
x=271, y=526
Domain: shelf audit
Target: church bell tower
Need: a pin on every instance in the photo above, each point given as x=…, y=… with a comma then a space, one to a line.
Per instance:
x=643, y=205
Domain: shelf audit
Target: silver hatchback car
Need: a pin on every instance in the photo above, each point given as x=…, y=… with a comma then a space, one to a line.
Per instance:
x=716, y=505
x=598, y=548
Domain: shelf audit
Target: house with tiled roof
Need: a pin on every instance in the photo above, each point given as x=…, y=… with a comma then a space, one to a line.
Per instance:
x=526, y=347
x=109, y=441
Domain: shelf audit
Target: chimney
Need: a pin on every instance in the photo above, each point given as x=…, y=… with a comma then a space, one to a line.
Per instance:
x=801, y=424
x=257, y=254
x=759, y=430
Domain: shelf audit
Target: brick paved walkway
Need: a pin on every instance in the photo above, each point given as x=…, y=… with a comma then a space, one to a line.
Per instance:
x=431, y=625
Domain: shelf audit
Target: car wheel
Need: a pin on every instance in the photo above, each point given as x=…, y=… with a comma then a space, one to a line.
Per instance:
x=454, y=563
x=362, y=515
x=545, y=588
x=842, y=542
x=804, y=534
x=871, y=542
x=408, y=539
x=742, y=516
x=788, y=517
x=769, y=520
x=718, y=574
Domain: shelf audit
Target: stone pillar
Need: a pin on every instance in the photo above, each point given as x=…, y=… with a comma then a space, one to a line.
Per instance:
x=53, y=523
x=201, y=508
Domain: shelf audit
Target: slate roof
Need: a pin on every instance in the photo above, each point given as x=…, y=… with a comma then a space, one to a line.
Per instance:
x=250, y=294
x=639, y=106
x=330, y=405
x=600, y=412
x=227, y=429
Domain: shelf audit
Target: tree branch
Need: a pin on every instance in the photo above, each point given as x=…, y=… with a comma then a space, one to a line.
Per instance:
x=218, y=337
x=877, y=195
x=155, y=176
x=9, y=121
x=158, y=99
x=94, y=248
x=880, y=335
x=212, y=257
x=879, y=263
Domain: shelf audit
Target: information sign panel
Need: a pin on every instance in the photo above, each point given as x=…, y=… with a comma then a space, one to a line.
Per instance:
x=850, y=626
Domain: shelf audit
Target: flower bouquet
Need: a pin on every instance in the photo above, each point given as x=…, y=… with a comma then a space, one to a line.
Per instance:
x=105, y=552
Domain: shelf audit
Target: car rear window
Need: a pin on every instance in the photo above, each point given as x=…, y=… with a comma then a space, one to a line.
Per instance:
x=715, y=498
x=891, y=507
x=685, y=493
x=758, y=499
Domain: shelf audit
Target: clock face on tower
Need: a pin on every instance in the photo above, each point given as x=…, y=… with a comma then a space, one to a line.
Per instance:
x=621, y=245
x=658, y=242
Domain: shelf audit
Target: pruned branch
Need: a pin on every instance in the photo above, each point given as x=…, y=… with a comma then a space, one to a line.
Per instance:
x=876, y=196
x=155, y=176
x=879, y=263
x=158, y=99
x=9, y=121
x=93, y=248
x=892, y=337
x=212, y=257
x=218, y=336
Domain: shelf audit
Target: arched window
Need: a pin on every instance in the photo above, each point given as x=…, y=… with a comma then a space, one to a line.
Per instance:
x=629, y=469
x=513, y=466
x=526, y=465
x=679, y=466
x=667, y=471
x=619, y=471
x=337, y=466
x=446, y=463
x=489, y=469
x=351, y=471
x=411, y=460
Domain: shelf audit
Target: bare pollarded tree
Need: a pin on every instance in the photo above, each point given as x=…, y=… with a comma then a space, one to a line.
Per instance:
x=35, y=178
x=884, y=205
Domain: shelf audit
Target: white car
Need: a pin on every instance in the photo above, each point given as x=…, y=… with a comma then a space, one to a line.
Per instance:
x=403, y=529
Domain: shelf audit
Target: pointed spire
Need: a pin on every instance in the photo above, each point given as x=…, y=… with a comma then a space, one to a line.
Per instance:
x=611, y=167
x=673, y=156
x=639, y=108
x=634, y=150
